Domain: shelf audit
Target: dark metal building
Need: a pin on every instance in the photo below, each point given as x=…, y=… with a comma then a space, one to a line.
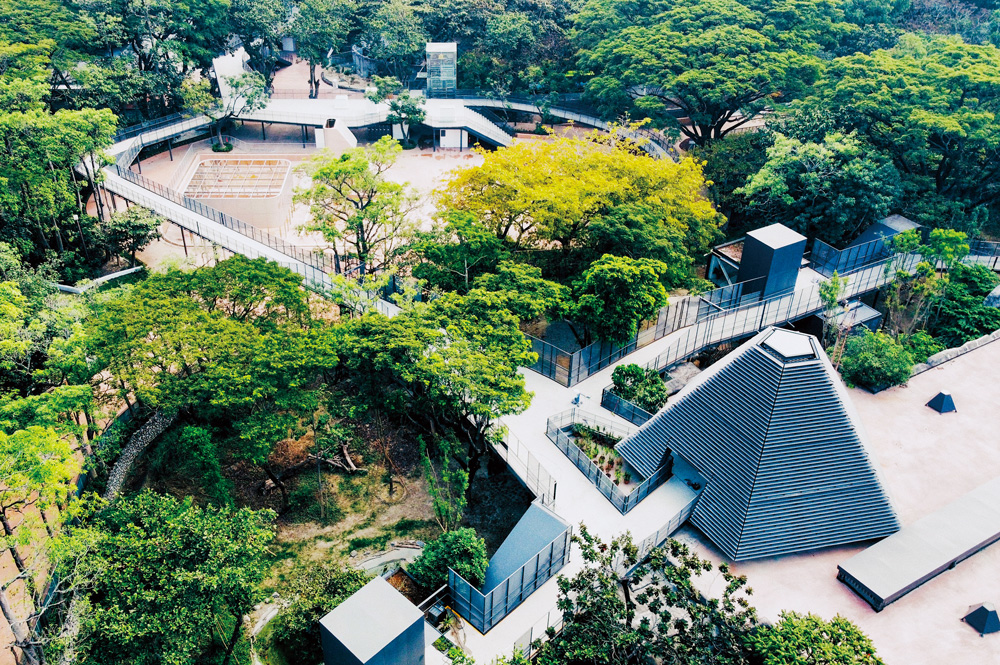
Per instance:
x=772, y=430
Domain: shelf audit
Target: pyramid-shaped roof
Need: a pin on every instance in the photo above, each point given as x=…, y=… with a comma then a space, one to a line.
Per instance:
x=984, y=618
x=772, y=430
x=942, y=403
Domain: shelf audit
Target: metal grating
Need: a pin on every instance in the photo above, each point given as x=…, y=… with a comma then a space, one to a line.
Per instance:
x=785, y=466
x=238, y=179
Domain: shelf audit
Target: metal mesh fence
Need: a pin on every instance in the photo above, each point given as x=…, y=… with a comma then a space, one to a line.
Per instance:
x=556, y=428
x=484, y=611
x=537, y=479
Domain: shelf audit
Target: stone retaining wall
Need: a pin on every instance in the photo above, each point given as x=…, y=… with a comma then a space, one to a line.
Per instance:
x=950, y=354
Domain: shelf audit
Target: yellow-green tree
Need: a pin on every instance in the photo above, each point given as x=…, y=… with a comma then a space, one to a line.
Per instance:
x=575, y=194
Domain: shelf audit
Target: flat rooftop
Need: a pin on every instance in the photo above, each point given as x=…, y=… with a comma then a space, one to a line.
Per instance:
x=370, y=619
x=927, y=461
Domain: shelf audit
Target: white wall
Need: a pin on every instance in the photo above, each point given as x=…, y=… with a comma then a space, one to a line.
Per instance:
x=454, y=138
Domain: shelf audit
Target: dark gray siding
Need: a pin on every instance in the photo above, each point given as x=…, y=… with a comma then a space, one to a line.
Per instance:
x=786, y=470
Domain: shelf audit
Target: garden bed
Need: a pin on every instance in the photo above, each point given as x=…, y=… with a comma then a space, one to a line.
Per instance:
x=599, y=446
x=584, y=438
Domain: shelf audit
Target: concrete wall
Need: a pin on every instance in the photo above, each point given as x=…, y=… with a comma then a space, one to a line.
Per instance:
x=336, y=136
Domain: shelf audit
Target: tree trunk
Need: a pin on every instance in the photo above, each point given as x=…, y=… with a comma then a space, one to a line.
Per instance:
x=232, y=640
x=9, y=531
x=277, y=483
x=19, y=627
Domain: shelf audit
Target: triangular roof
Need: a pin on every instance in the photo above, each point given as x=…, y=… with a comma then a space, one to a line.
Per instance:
x=984, y=618
x=942, y=403
x=771, y=428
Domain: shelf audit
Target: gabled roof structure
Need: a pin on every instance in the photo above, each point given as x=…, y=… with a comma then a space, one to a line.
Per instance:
x=772, y=430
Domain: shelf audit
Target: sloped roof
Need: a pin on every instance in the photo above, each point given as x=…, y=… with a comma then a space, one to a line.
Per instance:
x=772, y=430
x=538, y=527
x=984, y=618
x=371, y=619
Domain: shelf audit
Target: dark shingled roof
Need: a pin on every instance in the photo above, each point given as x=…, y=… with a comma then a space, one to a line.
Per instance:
x=772, y=430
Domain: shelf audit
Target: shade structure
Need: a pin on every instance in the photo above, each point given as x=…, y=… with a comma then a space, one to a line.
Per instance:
x=942, y=403
x=984, y=618
x=772, y=430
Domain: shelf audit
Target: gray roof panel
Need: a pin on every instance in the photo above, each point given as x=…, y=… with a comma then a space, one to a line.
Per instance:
x=771, y=429
x=371, y=619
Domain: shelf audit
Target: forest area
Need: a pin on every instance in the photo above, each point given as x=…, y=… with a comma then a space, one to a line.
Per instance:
x=185, y=444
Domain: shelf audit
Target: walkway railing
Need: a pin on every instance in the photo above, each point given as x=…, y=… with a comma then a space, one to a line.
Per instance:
x=535, y=477
x=623, y=408
x=484, y=611
x=556, y=430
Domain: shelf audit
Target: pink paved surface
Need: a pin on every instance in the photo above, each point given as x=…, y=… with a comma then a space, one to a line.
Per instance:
x=927, y=461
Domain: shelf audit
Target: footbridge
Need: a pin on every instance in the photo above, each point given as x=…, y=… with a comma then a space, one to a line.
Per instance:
x=124, y=177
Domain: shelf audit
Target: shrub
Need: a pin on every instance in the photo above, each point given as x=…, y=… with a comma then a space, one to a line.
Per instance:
x=462, y=550
x=798, y=638
x=875, y=360
x=315, y=589
x=642, y=387
x=921, y=345
x=222, y=147
x=962, y=316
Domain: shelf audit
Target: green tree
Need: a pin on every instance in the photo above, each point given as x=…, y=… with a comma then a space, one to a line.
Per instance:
x=616, y=294
x=240, y=94
x=259, y=25
x=961, y=314
x=609, y=618
x=643, y=387
x=875, y=360
x=396, y=36
x=448, y=486
x=807, y=639
x=447, y=366
x=529, y=295
x=165, y=572
x=130, y=231
x=718, y=63
x=319, y=26
x=831, y=190
x=582, y=195
x=931, y=104
x=406, y=111
x=314, y=589
x=355, y=206
x=232, y=344
x=37, y=468
x=453, y=253
x=461, y=550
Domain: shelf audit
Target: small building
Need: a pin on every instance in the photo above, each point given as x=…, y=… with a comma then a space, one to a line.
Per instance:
x=375, y=626
x=771, y=258
x=442, y=69
x=890, y=569
x=773, y=432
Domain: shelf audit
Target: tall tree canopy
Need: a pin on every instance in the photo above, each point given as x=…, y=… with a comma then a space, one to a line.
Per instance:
x=165, y=572
x=931, y=104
